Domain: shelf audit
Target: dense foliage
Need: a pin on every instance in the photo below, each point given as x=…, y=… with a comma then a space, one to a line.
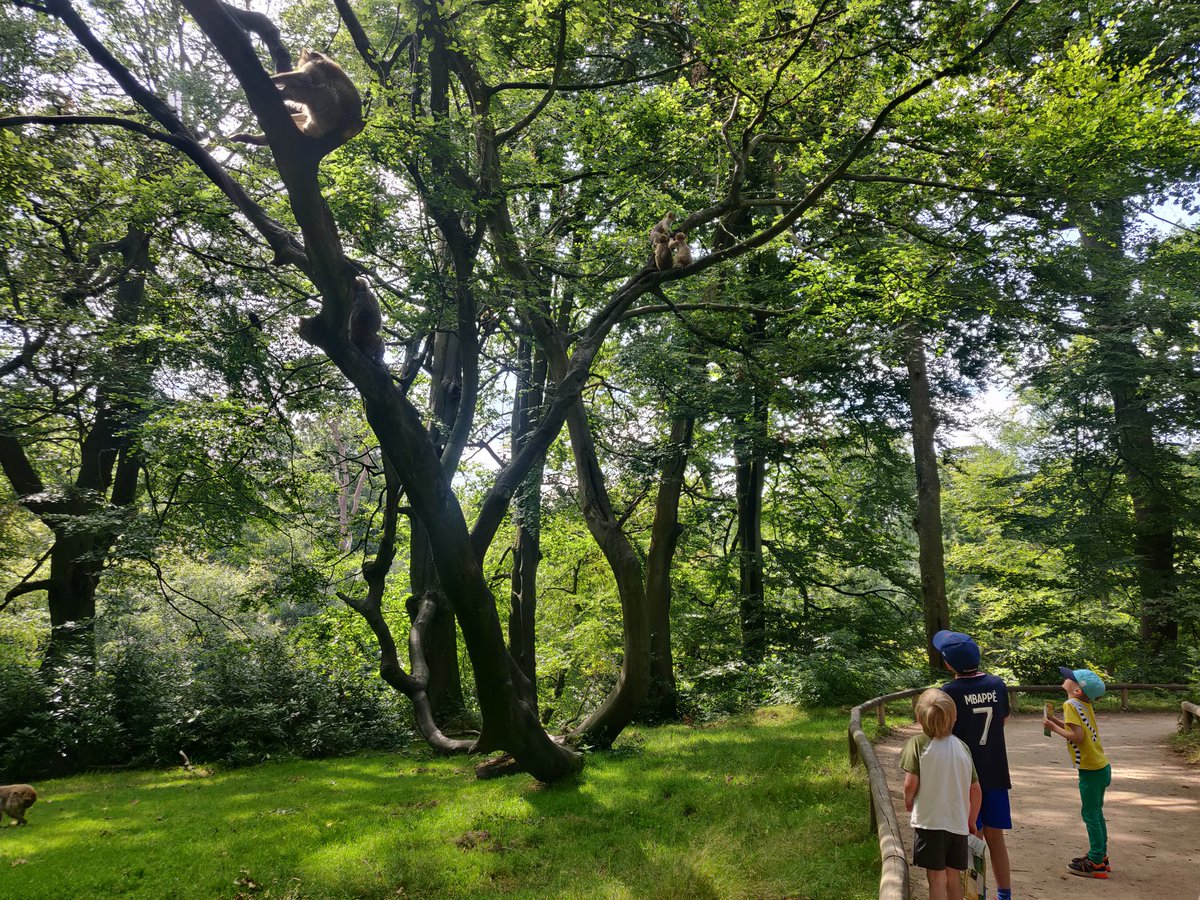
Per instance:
x=589, y=489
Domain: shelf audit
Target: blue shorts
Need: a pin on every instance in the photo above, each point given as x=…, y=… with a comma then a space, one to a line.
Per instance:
x=994, y=811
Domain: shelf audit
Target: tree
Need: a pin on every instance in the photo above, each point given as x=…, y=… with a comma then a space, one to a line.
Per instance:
x=481, y=180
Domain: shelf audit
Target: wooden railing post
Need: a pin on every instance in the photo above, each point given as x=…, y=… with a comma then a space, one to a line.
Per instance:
x=1124, y=699
x=1190, y=713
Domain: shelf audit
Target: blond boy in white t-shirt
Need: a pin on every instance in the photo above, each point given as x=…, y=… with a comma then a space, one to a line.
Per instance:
x=941, y=790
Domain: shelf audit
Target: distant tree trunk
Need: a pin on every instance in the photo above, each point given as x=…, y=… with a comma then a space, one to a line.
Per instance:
x=107, y=476
x=527, y=515
x=350, y=487
x=929, y=495
x=749, y=452
x=661, y=701
x=1102, y=235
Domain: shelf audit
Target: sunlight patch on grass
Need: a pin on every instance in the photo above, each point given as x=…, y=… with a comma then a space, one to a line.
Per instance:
x=762, y=806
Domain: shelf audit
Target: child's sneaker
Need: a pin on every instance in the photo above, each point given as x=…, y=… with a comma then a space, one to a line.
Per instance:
x=1088, y=869
x=1106, y=866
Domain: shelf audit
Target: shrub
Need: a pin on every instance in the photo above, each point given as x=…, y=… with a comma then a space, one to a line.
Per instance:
x=221, y=700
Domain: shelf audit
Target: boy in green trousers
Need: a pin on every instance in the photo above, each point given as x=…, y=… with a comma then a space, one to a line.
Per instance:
x=1082, y=732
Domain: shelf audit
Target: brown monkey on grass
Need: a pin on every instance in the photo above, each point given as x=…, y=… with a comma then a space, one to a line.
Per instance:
x=325, y=99
x=15, y=799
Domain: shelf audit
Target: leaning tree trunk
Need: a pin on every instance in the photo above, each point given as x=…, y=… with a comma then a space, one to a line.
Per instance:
x=661, y=701
x=509, y=722
x=929, y=495
x=625, y=701
x=1102, y=236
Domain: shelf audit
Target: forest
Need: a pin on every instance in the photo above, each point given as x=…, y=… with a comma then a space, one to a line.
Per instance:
x=497, y=376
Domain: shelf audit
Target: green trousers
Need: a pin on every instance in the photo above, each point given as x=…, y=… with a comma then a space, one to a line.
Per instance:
x=1092, y=784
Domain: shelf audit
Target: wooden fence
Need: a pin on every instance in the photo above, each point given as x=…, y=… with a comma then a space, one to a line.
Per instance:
x=1191, y=713
x=893, y=873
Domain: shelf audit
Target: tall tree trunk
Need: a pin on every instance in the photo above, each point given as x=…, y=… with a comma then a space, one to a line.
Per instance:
x=661, y=701
x=749, y=449
x=527, y=515
x=929, y=494
x=1102, y=235
x=443, y=685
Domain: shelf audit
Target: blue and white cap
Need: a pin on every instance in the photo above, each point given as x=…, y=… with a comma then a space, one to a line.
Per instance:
x=1091, y=683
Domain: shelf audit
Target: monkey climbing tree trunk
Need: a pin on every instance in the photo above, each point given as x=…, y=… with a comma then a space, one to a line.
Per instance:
x=1102, y=229
x=929, y=494
x=749, y=448
x=661, y=701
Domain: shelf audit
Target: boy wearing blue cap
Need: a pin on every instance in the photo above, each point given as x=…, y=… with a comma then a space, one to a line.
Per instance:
x=1082, y=732
x=982, y=703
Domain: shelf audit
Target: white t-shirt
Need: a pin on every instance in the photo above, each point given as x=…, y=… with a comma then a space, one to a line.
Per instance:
x=946, y=772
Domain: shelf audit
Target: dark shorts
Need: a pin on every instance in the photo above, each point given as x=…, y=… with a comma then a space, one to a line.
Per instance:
x=995, y=812
x=939, y=850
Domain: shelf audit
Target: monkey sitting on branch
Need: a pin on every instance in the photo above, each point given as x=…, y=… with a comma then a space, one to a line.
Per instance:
x=325, y=99
x=679, y=247
x=662, y=229
x=15, y=799
x=662, y=252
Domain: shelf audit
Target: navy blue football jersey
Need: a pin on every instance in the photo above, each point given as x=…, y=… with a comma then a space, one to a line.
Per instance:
x=982, y=702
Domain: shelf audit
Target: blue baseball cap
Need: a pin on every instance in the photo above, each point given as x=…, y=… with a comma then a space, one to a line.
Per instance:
x=1091, y=683
x=958, y=649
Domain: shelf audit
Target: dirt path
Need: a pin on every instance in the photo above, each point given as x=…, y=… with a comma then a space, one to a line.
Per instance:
x=1153, y=812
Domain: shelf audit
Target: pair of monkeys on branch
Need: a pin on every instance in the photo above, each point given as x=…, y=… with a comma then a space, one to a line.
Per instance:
x=323, y=98
x=670, y=250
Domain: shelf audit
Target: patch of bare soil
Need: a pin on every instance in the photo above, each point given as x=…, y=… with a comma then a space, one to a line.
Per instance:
x=1152, y=808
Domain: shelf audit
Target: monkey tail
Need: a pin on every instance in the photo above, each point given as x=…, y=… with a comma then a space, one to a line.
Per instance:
x=258, y=140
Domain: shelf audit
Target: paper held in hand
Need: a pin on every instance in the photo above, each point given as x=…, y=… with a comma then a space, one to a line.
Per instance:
x=1049, y=710
x=974, y=877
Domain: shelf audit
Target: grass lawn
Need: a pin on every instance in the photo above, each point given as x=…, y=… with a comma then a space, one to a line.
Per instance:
x=759, y=807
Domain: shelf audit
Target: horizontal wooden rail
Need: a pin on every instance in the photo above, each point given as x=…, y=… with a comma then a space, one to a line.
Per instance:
x=894, y=870
x=1191, y=713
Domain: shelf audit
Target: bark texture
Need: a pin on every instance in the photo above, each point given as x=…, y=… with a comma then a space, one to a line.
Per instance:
x=936, y=612
x=661, y=701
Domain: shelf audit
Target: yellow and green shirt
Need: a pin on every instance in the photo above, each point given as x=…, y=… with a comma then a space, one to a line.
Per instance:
x=1089, y=755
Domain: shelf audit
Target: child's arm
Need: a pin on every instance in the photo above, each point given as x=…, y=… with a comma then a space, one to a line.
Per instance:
x=912, y=784
x=973, y=809
x=1072, y=732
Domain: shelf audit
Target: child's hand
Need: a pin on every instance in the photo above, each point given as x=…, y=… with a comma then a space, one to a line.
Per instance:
x=971, y=828
x=908, y=805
